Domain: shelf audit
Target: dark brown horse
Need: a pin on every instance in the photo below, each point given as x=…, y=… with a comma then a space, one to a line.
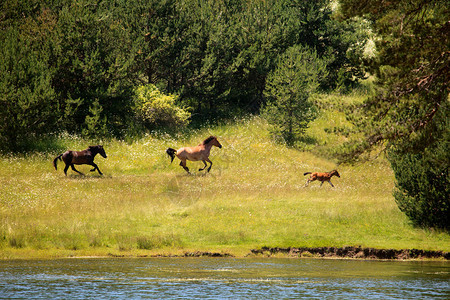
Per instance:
x=200, y=152
x=326, y=176
x=72, y=158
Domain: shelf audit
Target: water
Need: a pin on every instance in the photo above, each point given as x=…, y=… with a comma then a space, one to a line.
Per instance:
x=222, y=278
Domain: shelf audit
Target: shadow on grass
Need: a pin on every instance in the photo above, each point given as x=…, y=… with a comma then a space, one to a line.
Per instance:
x=86, y=176
x=43, y=144
x=307, y=139
x=194, y=173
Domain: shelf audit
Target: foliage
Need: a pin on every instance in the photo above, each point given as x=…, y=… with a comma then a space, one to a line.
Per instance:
x=288, y=89
x=27, y=98
x=92, y=61
x=62, y=61
x=423, y=191
x=218, y=54
x=89, y=57
x=412, y=101
x=411, y=70
x=95, y=124
x=156, y=109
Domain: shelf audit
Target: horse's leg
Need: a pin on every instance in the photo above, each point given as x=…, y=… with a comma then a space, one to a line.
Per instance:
x=183, y=164
x=66, y=168
x=330, y=183
x=321, y=183
x=73, y=168
x=308, y=181
x=204, y=166
x=207, y=159
x=96, y=168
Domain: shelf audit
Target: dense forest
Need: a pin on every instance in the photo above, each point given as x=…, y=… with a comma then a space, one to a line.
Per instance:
x=118, y=68
x=76, y=66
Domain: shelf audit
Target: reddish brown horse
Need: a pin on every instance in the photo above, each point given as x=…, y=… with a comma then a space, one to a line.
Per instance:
x=72, y=158
x=200, y=152
x=321, y=176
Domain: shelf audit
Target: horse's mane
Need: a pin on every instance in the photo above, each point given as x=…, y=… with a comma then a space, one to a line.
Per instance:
x=209, y=139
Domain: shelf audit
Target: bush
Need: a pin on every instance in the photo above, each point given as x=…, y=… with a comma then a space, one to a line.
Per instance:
x=156, y=109
x=422, y=187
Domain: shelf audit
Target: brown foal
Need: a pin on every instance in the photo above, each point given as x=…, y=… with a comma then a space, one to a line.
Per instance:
x=326, y=176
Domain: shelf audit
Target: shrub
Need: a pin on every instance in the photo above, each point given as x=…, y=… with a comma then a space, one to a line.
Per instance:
x=422, y=182
x=156, y=109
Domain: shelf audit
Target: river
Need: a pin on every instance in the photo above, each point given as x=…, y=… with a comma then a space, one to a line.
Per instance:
x=222, y=278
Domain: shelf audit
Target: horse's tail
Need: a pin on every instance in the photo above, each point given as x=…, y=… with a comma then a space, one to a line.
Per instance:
x=171, y=152
x=56, y=160
x=306, y=173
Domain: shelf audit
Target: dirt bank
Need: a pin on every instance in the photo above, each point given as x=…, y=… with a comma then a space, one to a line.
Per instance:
x=319, y=252
x=353, y=252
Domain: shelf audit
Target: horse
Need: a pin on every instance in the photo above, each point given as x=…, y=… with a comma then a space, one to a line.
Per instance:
x=321, y=177
x=72, y=158
x=200, y=152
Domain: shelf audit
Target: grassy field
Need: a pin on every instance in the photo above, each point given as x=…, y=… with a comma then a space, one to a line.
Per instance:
x=254, y=196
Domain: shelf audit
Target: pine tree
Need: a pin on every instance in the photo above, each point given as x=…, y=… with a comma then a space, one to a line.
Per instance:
x=288, y=90
x=27, y=99
x=409, y=114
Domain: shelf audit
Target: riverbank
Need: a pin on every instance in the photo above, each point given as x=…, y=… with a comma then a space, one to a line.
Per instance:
x=354, y=253
x=326, y=252
x=349, y=252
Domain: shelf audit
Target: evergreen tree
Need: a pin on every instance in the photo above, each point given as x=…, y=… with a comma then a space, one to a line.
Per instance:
x=422, y=178
x=412, y=102
x=28, y=102
x=411, y=69
x=288, y=89
x=92, y=60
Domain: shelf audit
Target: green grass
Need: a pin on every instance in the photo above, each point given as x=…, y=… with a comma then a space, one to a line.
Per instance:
x=254, y=196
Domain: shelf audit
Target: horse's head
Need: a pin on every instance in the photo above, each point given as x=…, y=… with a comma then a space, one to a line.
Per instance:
x=335, y=172
x=98, y=149
x=213, y=140
x=216, y=143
